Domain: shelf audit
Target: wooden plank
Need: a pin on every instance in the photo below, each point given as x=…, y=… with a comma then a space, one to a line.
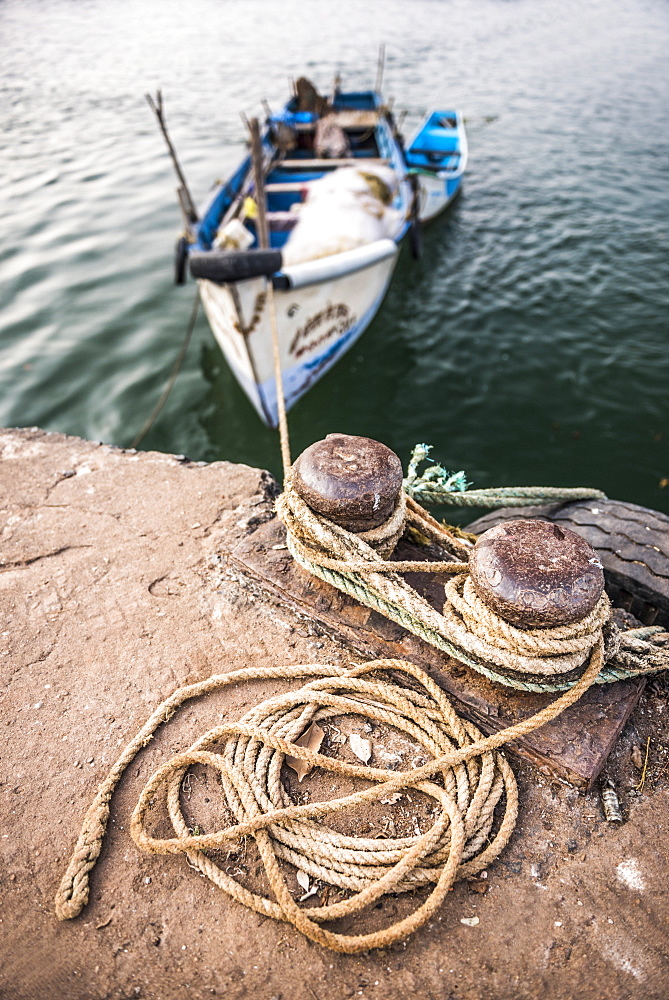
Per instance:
x=285, y=186
x=259, y=179
x=347, y=161
x=572, y=748
x=349, y=120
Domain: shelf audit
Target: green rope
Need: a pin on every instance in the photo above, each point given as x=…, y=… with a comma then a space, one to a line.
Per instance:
x=436, y=486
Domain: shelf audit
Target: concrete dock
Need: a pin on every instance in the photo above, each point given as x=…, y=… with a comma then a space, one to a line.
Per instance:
x=115, y=590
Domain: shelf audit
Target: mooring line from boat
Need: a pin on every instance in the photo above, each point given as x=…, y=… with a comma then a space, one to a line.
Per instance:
x=176, y=368
x=284, y=435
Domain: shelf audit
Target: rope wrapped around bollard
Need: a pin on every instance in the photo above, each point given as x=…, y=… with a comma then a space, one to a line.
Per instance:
x=466, y=778
x=470, y=782
x=537, y=660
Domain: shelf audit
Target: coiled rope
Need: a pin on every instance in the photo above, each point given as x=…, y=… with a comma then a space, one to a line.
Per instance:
x=467, y=778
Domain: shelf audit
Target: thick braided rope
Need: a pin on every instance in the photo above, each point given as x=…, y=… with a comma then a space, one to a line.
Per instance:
x=72, y=894
x=505, y=496
x=465, y=778
x=538, y=660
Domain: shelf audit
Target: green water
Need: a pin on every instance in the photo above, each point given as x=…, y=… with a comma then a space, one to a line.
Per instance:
x=529, y=346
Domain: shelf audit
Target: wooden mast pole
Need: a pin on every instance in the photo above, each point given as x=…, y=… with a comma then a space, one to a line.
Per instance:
x=259, y=179
x=380, y=67
x=185, y=200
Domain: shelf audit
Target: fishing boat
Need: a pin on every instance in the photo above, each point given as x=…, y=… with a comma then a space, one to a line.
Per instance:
x=317, y=209
x=437, y=155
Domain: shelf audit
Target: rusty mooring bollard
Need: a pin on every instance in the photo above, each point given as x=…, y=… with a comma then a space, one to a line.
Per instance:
x=536, y=574
x=353, y=481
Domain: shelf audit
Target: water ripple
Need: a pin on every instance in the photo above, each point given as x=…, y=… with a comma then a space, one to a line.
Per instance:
x=530, y=343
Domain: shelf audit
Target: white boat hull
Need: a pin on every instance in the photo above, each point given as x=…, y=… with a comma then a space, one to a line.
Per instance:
x=316, y=320
x=435, y=193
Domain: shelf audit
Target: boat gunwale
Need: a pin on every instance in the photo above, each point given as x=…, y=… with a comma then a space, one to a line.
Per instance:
x=345, y=263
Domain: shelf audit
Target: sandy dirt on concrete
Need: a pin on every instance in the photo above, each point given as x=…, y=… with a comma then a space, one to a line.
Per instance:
x=115, y=590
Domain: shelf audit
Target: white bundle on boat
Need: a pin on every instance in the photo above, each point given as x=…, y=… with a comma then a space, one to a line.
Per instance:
x=345, y=209
x=233, y=236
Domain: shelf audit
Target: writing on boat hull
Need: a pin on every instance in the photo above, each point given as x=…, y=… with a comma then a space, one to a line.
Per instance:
x=336, y=318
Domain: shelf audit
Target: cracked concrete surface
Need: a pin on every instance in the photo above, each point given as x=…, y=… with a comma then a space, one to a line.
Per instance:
x=114, y=590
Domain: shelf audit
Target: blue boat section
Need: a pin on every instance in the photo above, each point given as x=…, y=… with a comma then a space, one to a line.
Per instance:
x=437, y=146
x=298, y=379
x=221, y=201
x=357, y=100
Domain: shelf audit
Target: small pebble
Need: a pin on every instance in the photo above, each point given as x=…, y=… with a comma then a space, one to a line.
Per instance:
x=470, y=921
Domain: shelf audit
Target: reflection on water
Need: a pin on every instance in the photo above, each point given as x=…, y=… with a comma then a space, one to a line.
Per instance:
x=529, y=344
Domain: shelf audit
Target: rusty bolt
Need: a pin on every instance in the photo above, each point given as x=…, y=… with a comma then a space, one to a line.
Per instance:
x=353, y=481
x=536, y=574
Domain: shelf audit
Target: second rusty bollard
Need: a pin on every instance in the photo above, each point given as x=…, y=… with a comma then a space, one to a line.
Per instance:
x=536, y=574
